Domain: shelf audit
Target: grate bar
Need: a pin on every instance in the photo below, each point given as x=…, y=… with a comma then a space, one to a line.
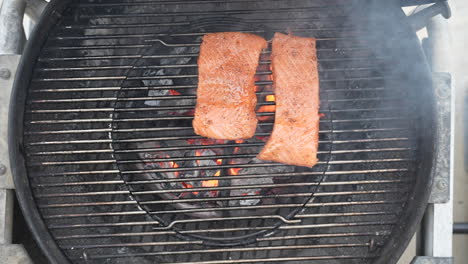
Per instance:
x=188, y=158
x=253, y=207
x=102, y=193
x=193, y=147
x=156, y=98
x=177, y=118
x=290, y=174
x=175, y=87
x=112, y=78
x=344, y=172
x=174, y=2
x=221, y=250
x=346, y=234
x=267, y=260
x=148, y=36
x=187, y=55
x=169, y=66
x=103, y=110
x=230, y=198
x=226, y=230
x=197, y=13
x=218, y=167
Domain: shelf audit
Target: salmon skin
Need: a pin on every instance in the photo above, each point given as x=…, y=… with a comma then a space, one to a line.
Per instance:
x=226, y=96
x=294, y=139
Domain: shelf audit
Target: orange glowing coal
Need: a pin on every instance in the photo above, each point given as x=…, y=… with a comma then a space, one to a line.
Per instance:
x=237, y=149
x=174, y=92
x=212, y=183
x=270, y=98
x=171, y=164
x=188, y=186
x=234, y=171
x=208, y=183
x=267, y=108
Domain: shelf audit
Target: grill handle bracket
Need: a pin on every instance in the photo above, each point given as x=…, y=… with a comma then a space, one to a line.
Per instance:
x=442, y=83
x=421, y=19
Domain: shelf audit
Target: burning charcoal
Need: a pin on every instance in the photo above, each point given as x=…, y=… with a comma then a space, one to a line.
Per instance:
x=255, y=181
x=167, y=72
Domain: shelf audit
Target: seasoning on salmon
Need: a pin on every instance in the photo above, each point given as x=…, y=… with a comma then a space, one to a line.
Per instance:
x=226, y=96
x=294, y=139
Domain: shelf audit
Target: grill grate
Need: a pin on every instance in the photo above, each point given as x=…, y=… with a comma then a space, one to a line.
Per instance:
x=119, y=175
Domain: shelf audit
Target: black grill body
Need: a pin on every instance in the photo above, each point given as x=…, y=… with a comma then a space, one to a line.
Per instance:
x=108, y=168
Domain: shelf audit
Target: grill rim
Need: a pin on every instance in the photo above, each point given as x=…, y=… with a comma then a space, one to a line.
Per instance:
x=426, y=169
x=29, y=208
x=400, y=236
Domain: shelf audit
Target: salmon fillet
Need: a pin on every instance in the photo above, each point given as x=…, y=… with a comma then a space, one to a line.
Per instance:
x=294, y=139
x=226, y=86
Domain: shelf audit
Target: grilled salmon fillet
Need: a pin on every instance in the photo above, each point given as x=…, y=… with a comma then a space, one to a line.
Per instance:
x=226, y=86
x=294, y=139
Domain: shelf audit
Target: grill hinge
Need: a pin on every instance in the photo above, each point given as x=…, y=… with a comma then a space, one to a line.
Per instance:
x=442, y=88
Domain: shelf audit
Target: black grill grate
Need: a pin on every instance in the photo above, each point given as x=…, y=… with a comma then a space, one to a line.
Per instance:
x=109, y=113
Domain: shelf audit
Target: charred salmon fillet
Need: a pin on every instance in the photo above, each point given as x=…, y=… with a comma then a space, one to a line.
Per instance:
x=294, y=139
x=226, y=86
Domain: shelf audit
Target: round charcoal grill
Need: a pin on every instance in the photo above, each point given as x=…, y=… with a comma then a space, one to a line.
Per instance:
x=109, y=170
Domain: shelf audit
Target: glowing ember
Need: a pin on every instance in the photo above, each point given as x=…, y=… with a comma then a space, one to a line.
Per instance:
x=270, y=98
x=175, y=166
x=236, y=150
x=234, y=171
x=267, y=108
x=219, y=162
x=189, y=186
x=321, y=115
x=212, y=183
x=174, y=92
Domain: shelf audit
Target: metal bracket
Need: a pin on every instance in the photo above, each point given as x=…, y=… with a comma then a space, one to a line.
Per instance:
x=8, y=65
x=421, y=18
x=34, y=9
x=432, y=260
x=442, y=86
x=12, y=35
